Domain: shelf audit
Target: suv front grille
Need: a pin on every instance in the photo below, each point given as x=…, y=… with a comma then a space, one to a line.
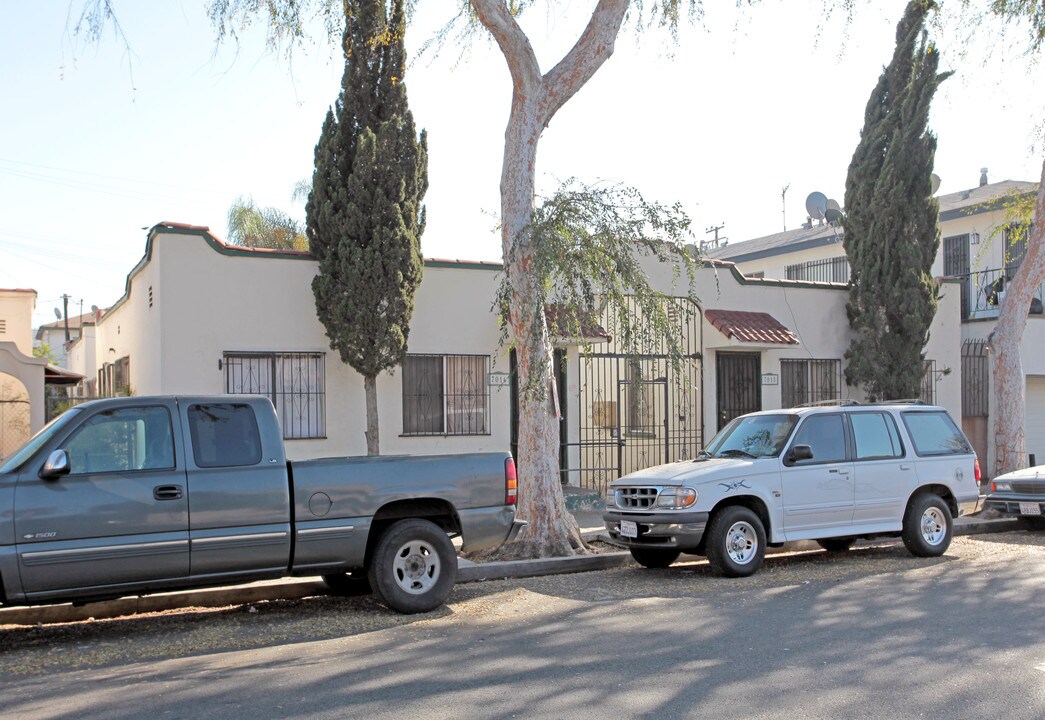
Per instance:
x=1031, y=487
x=636, y=498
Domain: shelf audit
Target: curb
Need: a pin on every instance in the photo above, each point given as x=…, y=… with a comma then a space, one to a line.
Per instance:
x=294, y=588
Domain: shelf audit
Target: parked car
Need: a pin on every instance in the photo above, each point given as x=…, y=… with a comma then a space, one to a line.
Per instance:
x=136, y=495
x=831, y=474
x=1020, y=494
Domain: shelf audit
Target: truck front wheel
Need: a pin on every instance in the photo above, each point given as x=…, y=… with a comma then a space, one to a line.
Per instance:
x=413, y=567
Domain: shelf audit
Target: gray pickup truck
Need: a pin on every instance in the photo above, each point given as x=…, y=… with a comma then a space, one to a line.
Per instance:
x=136, y=495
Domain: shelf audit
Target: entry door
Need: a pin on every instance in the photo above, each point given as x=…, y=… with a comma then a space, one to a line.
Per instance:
x=739, y=388
x=119, y=519
x=956, y=264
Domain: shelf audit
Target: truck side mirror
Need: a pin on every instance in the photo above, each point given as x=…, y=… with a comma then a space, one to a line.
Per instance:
x=800, y=452
x=57, y=465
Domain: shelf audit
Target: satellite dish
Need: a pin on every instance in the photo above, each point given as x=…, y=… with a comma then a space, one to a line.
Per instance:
x=833, y=213
x=58, y=313
x=935, y=183
x=94, y=309
x=816, y=205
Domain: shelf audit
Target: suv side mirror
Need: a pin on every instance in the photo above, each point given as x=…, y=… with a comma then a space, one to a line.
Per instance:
x=57, y=465
x=800, y=452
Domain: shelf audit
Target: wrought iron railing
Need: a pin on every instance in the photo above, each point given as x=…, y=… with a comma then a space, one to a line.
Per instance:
x=983, y=291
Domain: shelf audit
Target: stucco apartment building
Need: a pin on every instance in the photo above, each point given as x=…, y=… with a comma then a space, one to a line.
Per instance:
x=199, y=316
x=980, y=250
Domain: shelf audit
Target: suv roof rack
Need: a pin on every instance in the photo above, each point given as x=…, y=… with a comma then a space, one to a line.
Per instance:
x=826, y=403
x=903, y=401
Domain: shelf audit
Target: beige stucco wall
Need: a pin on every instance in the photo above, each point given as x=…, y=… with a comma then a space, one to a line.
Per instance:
x=205, y=303
x=16, y=310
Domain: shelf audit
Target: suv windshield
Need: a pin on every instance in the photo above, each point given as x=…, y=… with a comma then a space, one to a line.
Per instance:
x=752, y=436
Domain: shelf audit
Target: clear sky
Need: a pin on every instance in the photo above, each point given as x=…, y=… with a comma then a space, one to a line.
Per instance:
x=98, y=145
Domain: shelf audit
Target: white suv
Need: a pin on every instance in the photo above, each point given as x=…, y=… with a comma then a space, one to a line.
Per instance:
x=827, y=473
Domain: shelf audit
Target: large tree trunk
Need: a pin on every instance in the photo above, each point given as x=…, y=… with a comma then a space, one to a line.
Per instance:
x=535, y=99
x=1010, y=385
x=373, y=445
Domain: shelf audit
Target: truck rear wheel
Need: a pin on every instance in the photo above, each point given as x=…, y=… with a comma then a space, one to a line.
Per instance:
x=654, y=557
x=413, y=567
x=736, y=543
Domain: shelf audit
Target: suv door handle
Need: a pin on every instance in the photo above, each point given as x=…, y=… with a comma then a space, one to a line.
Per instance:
x=840, y=471
x=167, y=492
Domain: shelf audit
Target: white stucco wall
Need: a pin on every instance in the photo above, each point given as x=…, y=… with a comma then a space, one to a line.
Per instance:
x=206, y=303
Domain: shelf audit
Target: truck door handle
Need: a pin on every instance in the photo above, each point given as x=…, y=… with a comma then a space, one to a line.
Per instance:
x=167, y=492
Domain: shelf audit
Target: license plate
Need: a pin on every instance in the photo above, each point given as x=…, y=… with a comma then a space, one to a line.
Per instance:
x=1025, y=509
x=629, y=529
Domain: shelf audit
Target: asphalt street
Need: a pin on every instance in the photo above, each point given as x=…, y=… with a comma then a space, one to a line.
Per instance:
x=872, y=634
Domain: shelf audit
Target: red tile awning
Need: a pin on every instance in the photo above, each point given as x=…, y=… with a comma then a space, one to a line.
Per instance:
x=752, y=327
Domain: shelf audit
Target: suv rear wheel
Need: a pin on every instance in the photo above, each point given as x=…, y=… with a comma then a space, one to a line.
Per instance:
x=927, y=526
x=736, y=543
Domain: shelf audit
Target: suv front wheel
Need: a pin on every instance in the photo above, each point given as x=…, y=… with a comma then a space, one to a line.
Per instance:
x=927, y=526
x=736, y=543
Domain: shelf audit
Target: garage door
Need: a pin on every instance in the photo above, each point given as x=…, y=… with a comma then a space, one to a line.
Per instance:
x=1036, y=417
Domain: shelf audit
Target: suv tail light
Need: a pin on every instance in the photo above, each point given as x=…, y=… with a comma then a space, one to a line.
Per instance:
x=511, y=482
x=977, y=473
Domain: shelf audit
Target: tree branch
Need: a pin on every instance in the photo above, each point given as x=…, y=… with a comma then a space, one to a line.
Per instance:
x=518, y=52
x=580, y=64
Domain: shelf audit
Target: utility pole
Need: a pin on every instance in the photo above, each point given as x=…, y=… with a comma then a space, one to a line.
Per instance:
x=65, y=313
x=713, y=243
x=783, y=205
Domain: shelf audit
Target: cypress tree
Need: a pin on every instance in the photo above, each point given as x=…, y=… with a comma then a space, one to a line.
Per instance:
x=891, y=229
x=364, y=217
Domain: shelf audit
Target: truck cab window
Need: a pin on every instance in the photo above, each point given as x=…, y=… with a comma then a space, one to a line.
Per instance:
x=224, y=435
x=138, y=438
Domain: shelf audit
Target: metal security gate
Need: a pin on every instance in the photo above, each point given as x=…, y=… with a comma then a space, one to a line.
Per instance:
x=633, y=415
x=739, y=389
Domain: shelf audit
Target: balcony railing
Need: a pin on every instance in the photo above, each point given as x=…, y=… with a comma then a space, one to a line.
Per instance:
x=982, y=293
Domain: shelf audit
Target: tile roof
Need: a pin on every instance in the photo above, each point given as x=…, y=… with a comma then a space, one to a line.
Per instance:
x=590, y=330
x=756, y=327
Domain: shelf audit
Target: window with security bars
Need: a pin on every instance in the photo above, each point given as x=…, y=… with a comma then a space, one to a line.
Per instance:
x=446, y=395
x=294, y=381
x=834, y=269
x=809, y=381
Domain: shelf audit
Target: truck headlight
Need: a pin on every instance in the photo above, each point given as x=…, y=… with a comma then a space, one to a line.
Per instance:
x=677, y=498
x=1001, y=487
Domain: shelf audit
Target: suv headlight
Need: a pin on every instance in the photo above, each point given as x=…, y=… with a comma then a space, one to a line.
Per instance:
x=677, y=498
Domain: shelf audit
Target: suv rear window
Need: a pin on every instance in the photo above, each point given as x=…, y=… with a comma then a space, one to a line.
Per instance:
x=934, y=433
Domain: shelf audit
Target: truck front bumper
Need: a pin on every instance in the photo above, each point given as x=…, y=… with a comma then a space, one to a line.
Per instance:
x=676, y=530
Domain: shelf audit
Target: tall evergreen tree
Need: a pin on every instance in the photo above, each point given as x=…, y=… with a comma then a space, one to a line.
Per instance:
x=891, y=230
x=364, y=217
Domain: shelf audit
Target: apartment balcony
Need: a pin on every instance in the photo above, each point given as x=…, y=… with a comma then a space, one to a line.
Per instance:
x=983, y=291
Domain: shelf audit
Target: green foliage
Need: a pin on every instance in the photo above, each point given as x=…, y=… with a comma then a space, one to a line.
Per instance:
x=263, y=227
x=44, y=351
x=364, y=217
x=891, y=231
x=586, y=246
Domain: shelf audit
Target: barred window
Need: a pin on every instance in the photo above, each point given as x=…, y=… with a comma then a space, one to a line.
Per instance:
x=294, y=381
x=809, y=381
x=834, y=269
x=446, y=395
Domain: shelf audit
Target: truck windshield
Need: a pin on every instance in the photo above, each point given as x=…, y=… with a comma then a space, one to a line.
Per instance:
x=13, y=463
x=752, y=436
